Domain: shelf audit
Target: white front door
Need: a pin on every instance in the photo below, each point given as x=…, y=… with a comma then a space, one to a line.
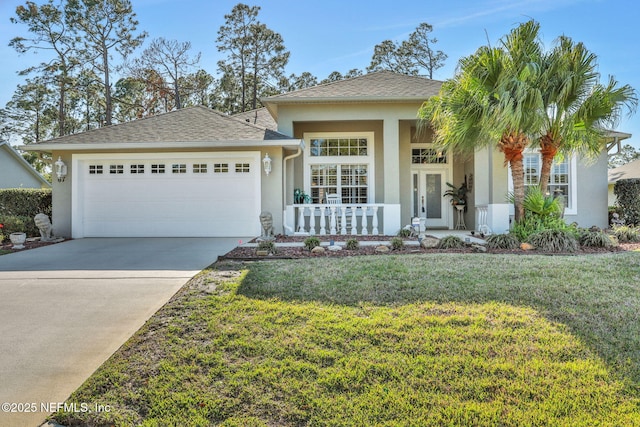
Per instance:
x=428, y=202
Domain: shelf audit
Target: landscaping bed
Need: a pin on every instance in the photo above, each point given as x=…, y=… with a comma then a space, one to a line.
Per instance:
x=295, y=252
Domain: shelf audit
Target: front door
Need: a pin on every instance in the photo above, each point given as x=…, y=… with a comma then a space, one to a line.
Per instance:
x=428, y=202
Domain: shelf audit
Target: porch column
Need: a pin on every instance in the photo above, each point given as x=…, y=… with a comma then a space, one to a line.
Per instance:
x=391, y=162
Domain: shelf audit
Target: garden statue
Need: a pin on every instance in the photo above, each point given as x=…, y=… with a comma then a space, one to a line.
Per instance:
x=266, y=220
x=44, y=225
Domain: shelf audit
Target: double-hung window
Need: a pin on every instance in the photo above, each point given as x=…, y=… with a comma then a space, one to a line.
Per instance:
x=560, y=179
x=342, y=164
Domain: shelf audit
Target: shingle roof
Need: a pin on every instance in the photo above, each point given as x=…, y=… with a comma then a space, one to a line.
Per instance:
x=382, y=85
x=259, y=117
x=630, y=170
x=193, y=124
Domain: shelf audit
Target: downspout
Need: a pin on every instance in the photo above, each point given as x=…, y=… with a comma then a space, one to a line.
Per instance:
x=287, y=230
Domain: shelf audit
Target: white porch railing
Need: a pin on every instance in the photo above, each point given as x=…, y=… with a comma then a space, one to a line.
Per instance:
x=343, y=219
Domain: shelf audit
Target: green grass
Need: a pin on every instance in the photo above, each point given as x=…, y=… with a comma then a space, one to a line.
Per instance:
x=443, y=339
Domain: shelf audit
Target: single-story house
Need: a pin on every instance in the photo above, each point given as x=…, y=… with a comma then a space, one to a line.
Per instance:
x=16, y=172
x=351, y=146
x=628, y=171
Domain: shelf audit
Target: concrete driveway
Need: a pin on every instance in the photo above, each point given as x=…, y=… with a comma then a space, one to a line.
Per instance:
x=65, y=308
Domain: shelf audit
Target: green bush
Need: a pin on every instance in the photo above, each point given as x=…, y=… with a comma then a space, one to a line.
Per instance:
x=397, y=243
x=503, y=241
x=352, y=244
x=311, y=242
x=25, y=202
x=596, y=239
x=554, y=241
x=626, y=234
x=405, y=232
x=268, y=246
x=627, y=192
x=450, y=242
x=19, y=224
x=532, y=224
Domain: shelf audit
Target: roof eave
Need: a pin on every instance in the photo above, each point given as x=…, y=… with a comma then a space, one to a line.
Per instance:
x=26, y=164
x=50, y=147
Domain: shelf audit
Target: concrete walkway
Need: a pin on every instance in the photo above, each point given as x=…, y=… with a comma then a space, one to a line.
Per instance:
x=65, y=308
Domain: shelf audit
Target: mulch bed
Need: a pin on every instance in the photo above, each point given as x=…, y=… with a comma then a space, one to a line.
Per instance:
x=249, y=253
x=29, y=244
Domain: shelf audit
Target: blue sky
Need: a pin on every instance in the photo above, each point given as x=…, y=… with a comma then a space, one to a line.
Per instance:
x=338, y=35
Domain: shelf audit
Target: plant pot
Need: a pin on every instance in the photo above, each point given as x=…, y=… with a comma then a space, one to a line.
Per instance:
x=18, y=240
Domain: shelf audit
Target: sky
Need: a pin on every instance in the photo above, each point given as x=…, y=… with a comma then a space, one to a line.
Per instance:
x=339, y=35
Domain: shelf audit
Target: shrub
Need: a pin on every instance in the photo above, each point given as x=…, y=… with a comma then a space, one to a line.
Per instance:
x=19, y=224
x=311, y=242
x=532, y=224
x=268, y=246
x=595, y=239
x=450, y=242
x=405, y=232
x=25, y=202
x=397, y=243
x=626, y=234
x=554, y=241
x=627, y=192
x=503, y=241
x=352, y=244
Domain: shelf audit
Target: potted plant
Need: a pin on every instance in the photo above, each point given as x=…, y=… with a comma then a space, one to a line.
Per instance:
x=458, y=194
x=300, y=197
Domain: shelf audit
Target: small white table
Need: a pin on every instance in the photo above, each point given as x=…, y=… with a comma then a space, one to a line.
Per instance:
x=460, y=225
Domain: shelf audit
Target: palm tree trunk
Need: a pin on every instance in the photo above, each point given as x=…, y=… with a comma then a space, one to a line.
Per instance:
x=548, y=149
x=512, y=144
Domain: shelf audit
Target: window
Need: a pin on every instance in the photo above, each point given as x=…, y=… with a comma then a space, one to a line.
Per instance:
x=157, y=168
x=136, y=169
x=116, y=169
x=179, y=168
x=339, y=147
x=428, y=156
x=221, y=167
x=95, y=170
x=340, y=163
x=559, y=182
x=242, y=168
x=199, y=168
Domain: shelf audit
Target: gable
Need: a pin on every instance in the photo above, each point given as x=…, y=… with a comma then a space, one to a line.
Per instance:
x=16, y=172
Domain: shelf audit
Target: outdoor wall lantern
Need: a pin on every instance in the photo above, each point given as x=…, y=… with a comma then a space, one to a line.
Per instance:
x=61, y=169
x=266, y=164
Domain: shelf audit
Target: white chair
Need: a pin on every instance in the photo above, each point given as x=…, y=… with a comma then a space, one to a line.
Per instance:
x=334, y=199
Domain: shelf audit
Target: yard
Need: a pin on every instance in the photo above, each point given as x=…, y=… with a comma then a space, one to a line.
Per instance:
x=435, y=339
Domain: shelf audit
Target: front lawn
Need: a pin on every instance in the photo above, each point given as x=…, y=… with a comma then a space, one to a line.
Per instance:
x=443, y=339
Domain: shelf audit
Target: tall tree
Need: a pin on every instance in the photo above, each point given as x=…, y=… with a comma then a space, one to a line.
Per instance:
x=50, y=33
x=413, y=56
x=106, y=26
x=578, y=108
x=490, y=100
x=171, y=60
x=256, y=54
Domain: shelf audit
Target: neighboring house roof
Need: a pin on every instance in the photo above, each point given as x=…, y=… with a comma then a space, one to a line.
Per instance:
x=259, y=117
x=382, y=86
x=188, y=127
x=23, y=164
x=628, y=171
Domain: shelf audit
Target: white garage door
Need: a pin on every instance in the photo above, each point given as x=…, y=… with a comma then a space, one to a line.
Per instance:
x=176, y=195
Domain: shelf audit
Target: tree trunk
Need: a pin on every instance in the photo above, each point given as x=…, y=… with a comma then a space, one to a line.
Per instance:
x=512, y=144
x=548, y=149
x=107, y=87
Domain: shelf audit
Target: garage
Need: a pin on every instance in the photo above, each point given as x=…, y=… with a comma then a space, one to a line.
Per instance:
x=166, y=194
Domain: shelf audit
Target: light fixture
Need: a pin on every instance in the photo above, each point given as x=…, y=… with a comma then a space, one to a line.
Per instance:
x=266, y=164
x=61, y=169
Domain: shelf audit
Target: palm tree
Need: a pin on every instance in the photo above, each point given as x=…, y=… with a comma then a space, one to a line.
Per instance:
x=494, y=98
x=579, y=109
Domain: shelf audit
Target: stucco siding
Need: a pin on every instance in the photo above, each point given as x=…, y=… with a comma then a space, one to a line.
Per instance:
x=14, y=175
x=592, y=193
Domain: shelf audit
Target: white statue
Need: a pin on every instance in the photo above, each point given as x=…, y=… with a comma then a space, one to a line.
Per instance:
x=266, y=220
x=44, y=225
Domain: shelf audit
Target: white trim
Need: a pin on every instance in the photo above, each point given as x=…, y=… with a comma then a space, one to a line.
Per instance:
x=78, y=161
x=368, y=160
x=48, y=147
